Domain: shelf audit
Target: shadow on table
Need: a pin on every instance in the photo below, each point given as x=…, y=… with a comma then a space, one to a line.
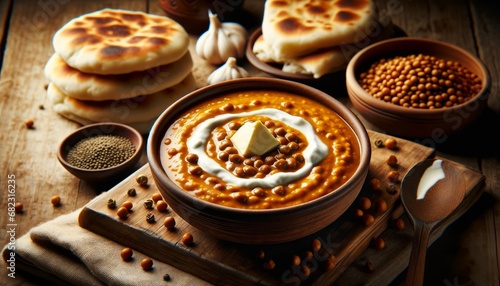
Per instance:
x=480, y=139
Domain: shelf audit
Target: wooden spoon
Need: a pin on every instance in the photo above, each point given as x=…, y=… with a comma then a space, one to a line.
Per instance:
x=441, y=199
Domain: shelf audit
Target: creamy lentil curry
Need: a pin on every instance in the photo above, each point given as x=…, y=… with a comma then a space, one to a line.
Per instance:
x=318, y=151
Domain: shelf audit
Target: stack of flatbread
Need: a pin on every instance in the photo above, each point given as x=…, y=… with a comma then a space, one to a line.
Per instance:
x=120, y=66
x=307, y=36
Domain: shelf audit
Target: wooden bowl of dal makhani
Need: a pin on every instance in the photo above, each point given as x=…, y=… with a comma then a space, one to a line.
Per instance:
x=259, y=160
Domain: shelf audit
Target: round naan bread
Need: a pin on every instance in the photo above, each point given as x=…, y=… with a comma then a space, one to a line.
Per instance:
x=137, y=111
x=296, y=28
x=113, y=41
x=86, y=86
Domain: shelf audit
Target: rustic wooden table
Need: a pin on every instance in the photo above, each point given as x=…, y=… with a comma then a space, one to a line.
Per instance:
x=468, y=252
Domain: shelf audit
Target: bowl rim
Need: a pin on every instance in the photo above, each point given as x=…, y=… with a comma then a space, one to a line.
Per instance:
x=62, y=152
x=354, y=88
x=355, y=124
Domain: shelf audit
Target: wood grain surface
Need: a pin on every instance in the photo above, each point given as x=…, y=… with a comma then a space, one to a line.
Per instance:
x=466, y=254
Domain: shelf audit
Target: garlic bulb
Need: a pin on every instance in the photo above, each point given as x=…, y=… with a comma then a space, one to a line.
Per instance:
x=221, y=41
x=227, y=71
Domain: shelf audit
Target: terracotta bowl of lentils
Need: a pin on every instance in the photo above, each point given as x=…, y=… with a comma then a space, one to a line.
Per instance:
x=416, y=88
x=101, y=151
x=259, y=160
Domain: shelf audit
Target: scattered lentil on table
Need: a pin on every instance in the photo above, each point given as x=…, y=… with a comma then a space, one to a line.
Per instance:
x=380, y=205
x=156, y=197
x=306, y=271
x=269, y=265
x=368, y=219
x=18, y=207
x=330, y=262
x=365, y=203
x=126, y=254
x=379, y=243
x=398, y=224
x=169, y=223
x=100, y=152
x=375, y=184
x=391, y=143
x=393, y=176
x=315, y=245
x=147, y=264
x=128, y=205
x=392, y=161
x=55, y=201
x=161, y=206
x=187, y=239
x=296, y=260
x=358, y=213
x=122, y=212
x=29, y=123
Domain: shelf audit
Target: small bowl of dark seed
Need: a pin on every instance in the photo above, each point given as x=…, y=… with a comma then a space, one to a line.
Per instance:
x=101, y=151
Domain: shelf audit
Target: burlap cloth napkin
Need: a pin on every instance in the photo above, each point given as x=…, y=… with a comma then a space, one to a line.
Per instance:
x=65, y=253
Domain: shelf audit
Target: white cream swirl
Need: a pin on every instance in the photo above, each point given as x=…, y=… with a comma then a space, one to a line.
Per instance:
x=314, y=153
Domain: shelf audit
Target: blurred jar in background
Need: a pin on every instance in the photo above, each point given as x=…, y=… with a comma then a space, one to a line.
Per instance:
x=193, y=14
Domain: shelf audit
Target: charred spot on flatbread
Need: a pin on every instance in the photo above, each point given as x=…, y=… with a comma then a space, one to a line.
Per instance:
x=346, y=17
x=292, y=25
x=114, y=31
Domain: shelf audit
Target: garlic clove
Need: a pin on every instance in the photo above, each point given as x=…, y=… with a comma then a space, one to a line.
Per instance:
x=229, y=70
x=221, y=41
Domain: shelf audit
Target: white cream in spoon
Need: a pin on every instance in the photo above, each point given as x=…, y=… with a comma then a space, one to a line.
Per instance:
x=431, y=176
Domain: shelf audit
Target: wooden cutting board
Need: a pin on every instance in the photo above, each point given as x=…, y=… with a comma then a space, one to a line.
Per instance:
x=225, y=263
